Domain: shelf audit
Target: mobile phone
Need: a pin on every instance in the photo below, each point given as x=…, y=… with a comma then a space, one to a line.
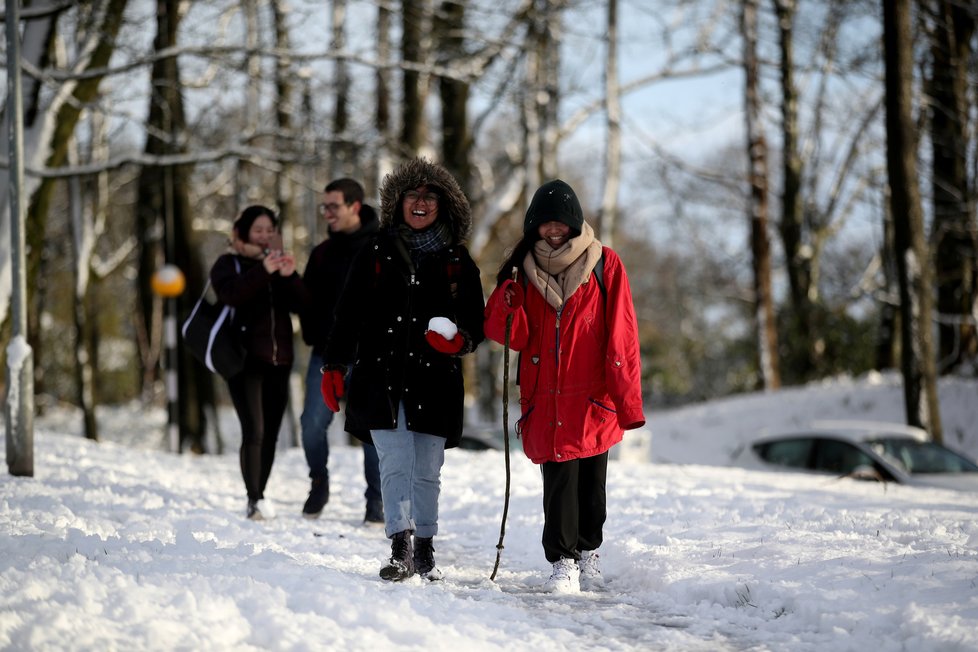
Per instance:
x=275, y=243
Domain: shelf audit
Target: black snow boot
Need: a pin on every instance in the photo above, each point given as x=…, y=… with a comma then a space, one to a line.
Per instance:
x=401, y=564
x=424, y=559
x=318, y=497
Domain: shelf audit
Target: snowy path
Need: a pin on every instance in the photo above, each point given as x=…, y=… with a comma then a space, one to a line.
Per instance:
x=111, y=547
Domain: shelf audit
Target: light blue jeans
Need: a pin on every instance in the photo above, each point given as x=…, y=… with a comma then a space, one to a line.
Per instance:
x=410, y=478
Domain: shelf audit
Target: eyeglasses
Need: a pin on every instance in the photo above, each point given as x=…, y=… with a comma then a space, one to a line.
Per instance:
x=414, y=196
x=330, y=208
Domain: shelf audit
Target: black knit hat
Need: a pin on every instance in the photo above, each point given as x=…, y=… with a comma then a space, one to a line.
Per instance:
x=554, y=201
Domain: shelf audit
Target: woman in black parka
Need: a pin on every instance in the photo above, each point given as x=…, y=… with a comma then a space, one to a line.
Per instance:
x=406, y=391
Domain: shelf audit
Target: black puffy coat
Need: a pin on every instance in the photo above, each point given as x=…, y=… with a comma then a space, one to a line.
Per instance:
x=383, y=313
x=262, y=303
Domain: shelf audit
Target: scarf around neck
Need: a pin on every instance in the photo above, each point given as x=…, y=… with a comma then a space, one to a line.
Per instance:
x=435, y=238
x=557, y=273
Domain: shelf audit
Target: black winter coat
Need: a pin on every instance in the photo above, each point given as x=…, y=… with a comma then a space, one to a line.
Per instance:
x=325, y=275
x=262, y=303
x=380, y=327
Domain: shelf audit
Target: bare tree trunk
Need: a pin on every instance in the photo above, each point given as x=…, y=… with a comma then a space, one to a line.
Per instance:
x=164, y=207
x=609, y=203
x=888, y=345
x=797, y=262
x=245, y=188
x=548, y=100
x=912, y=256
x=455, y=137
x=415, y=49
x=541, y=97
x=284, y=187
x=285, y=119
x=49, y=123
x=767, y=335
x=341, y=153
x=83, y=245
x=382, y=110
x=954, y=226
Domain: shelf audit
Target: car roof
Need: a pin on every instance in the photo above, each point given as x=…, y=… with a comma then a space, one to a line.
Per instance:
x=854, y=431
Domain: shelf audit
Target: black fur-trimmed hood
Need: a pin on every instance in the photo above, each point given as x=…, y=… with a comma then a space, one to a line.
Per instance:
x=453, y=207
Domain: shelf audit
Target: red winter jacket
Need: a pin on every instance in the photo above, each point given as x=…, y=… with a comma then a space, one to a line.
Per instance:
x=580, y=383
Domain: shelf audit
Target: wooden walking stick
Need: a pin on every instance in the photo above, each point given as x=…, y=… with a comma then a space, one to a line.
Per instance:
x=502, y=525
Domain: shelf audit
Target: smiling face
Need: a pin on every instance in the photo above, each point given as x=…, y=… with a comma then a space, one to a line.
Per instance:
x=420, y=207
x=261, y=231
x=340, y=216
x=554, y=233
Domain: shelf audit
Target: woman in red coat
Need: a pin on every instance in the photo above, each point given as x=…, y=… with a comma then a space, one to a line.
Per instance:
x=579, y=371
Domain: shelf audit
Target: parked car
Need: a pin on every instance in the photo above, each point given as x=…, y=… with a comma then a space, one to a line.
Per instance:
x=884, y=452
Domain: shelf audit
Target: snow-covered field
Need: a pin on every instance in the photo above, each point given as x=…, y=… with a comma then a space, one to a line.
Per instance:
x=120, y=546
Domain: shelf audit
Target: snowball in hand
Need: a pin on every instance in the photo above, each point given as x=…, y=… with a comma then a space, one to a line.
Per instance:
x=443, y=326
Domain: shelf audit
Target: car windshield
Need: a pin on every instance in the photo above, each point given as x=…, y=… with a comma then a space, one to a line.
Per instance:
x=922, y=456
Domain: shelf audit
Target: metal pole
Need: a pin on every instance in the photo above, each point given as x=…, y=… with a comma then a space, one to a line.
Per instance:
x=170, y=320
x=170, y=375
x=19, y=411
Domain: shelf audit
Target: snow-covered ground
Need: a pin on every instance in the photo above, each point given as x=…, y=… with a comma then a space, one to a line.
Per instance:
x=120, y=546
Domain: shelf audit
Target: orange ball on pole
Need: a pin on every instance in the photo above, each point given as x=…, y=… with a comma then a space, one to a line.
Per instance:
x=168, y=281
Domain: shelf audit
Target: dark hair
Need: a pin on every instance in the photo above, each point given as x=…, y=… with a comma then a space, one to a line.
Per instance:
x=516, y=257
x=248, y=216
x=352, y=191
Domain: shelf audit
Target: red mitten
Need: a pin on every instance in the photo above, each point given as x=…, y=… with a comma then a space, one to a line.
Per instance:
x=439, y=343
x=332, y=388
x=515, y=292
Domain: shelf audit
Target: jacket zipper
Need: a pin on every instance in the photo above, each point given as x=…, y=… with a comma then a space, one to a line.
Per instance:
x=404, y=361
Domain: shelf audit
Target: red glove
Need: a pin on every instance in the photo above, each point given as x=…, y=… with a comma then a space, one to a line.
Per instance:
x=332, y=388
x=514, y=291
x=439, y=343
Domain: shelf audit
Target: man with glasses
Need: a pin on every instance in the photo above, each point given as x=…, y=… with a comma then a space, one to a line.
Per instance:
x=351, y=224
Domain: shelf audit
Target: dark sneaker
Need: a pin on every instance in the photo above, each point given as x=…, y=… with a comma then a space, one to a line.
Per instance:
x=424, y=559
x=401, y=564
x=253, y=513
x=318, y=497
x=375, y=512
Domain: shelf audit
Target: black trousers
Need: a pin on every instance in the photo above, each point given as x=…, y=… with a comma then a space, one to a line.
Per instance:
x=574, y=506
x=259, y=394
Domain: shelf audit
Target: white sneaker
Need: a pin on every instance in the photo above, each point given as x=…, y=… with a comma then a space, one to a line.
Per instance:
x=591, y=578
x=565, y=577
x=265, y=508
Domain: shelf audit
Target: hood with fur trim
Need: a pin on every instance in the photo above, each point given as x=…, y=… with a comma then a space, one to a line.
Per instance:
x=453, y=206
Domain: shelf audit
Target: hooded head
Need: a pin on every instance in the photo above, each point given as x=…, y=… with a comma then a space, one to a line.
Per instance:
x=453, y=207
x=554, y=201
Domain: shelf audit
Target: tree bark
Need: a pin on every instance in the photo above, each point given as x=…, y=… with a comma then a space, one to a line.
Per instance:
x=456, y=141
x=163, y=208
x=608, y=217
x=415, y=48
x=912, y=257
x=382, y=111
x=798, y=263
x=341, y=154
x=767, y=335
x=954, y=226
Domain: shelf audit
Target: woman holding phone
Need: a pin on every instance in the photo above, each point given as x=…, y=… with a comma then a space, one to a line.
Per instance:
x=258, y=279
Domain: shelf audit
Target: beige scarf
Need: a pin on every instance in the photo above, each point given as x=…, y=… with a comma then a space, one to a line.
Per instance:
x=557, y=273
